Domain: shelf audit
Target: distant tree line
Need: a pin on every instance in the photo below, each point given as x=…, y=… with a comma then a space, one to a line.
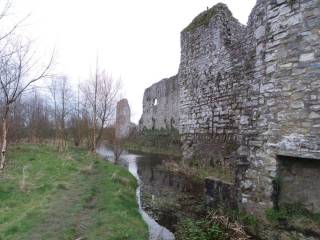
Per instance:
x=57, y=111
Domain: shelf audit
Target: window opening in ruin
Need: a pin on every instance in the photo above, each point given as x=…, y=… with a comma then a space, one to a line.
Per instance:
x=155, y=102
x=297, y=182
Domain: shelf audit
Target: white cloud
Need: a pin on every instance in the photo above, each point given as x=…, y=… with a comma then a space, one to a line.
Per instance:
x=137, y=40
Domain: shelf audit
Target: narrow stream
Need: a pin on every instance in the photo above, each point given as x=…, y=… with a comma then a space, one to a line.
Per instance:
x=163, y=198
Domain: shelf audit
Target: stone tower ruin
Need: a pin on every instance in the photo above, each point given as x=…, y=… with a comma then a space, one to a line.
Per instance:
x=251, y=93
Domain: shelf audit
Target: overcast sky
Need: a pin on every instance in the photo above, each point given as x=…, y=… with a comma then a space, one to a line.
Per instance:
x=137, y=40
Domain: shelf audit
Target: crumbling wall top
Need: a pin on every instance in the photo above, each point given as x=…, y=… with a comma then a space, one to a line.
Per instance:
x=204, y=18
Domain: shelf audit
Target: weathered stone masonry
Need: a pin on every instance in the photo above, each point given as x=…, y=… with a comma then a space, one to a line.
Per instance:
x=285, y=122
x=161, y=105
x=257, y=88
x=123, y=125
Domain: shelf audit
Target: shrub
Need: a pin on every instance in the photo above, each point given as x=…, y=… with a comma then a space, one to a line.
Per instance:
x=213, y=226
x=199, y=230
x=289, y=211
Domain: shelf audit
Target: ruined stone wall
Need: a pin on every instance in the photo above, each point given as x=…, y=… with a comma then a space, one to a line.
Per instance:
x=123, y=125
x=161, y=105
x=259, y=90
x=296, y=172
x=255, y=87
x=250, y=92
x=286, y=38
x=212, y=86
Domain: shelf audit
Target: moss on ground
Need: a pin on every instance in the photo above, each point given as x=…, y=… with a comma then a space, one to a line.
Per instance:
x=294, y=215
x=203, y=19
x=66, y=196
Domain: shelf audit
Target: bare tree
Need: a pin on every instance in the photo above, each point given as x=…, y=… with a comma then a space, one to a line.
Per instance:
x=35, y=122
x=108, y=93
x=101, y=93
x=18, y=71
x=118, y=148
x=61, y=94
x=118, y=142
x=76, y=120
x=16, y=121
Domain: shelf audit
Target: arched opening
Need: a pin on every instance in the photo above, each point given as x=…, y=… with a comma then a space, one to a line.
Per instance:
x=155, y=102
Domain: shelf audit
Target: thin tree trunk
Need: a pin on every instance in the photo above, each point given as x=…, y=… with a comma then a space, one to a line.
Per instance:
x=62, y=124
x=78, y=134
x=78, y=122
x=102, y=127
x=94, y=130
x=94, y=138
x=4, y=137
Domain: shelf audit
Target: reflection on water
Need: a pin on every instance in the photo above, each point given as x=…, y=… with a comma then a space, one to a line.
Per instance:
x=166, y=196
x=156, y=231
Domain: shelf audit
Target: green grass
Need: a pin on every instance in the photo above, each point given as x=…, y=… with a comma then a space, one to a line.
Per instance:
x=164, y=142
x=198, y=173
x=189, y=229
x=295, y=215
x=151, y=150
x=215, y=226
x=204, y=18
x=66, y=196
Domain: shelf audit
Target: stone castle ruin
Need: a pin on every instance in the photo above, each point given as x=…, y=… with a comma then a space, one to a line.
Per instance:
x=250, y=95
x=123, y=125
x=161, y=105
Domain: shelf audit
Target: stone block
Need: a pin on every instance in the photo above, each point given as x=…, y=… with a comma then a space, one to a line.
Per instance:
x=306, y=57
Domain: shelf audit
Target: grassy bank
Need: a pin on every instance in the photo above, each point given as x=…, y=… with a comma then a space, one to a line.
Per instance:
x=70, y=195
x=197, y=172
x=164, y=142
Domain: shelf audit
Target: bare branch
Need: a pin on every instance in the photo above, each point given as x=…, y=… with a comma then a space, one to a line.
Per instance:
x=14, y=28
x=42, y=75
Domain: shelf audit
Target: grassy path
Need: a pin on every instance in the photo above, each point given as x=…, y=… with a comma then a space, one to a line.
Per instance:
x=66, y=195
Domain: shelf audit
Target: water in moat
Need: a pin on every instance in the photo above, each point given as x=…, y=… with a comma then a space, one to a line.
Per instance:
x=163, y=197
